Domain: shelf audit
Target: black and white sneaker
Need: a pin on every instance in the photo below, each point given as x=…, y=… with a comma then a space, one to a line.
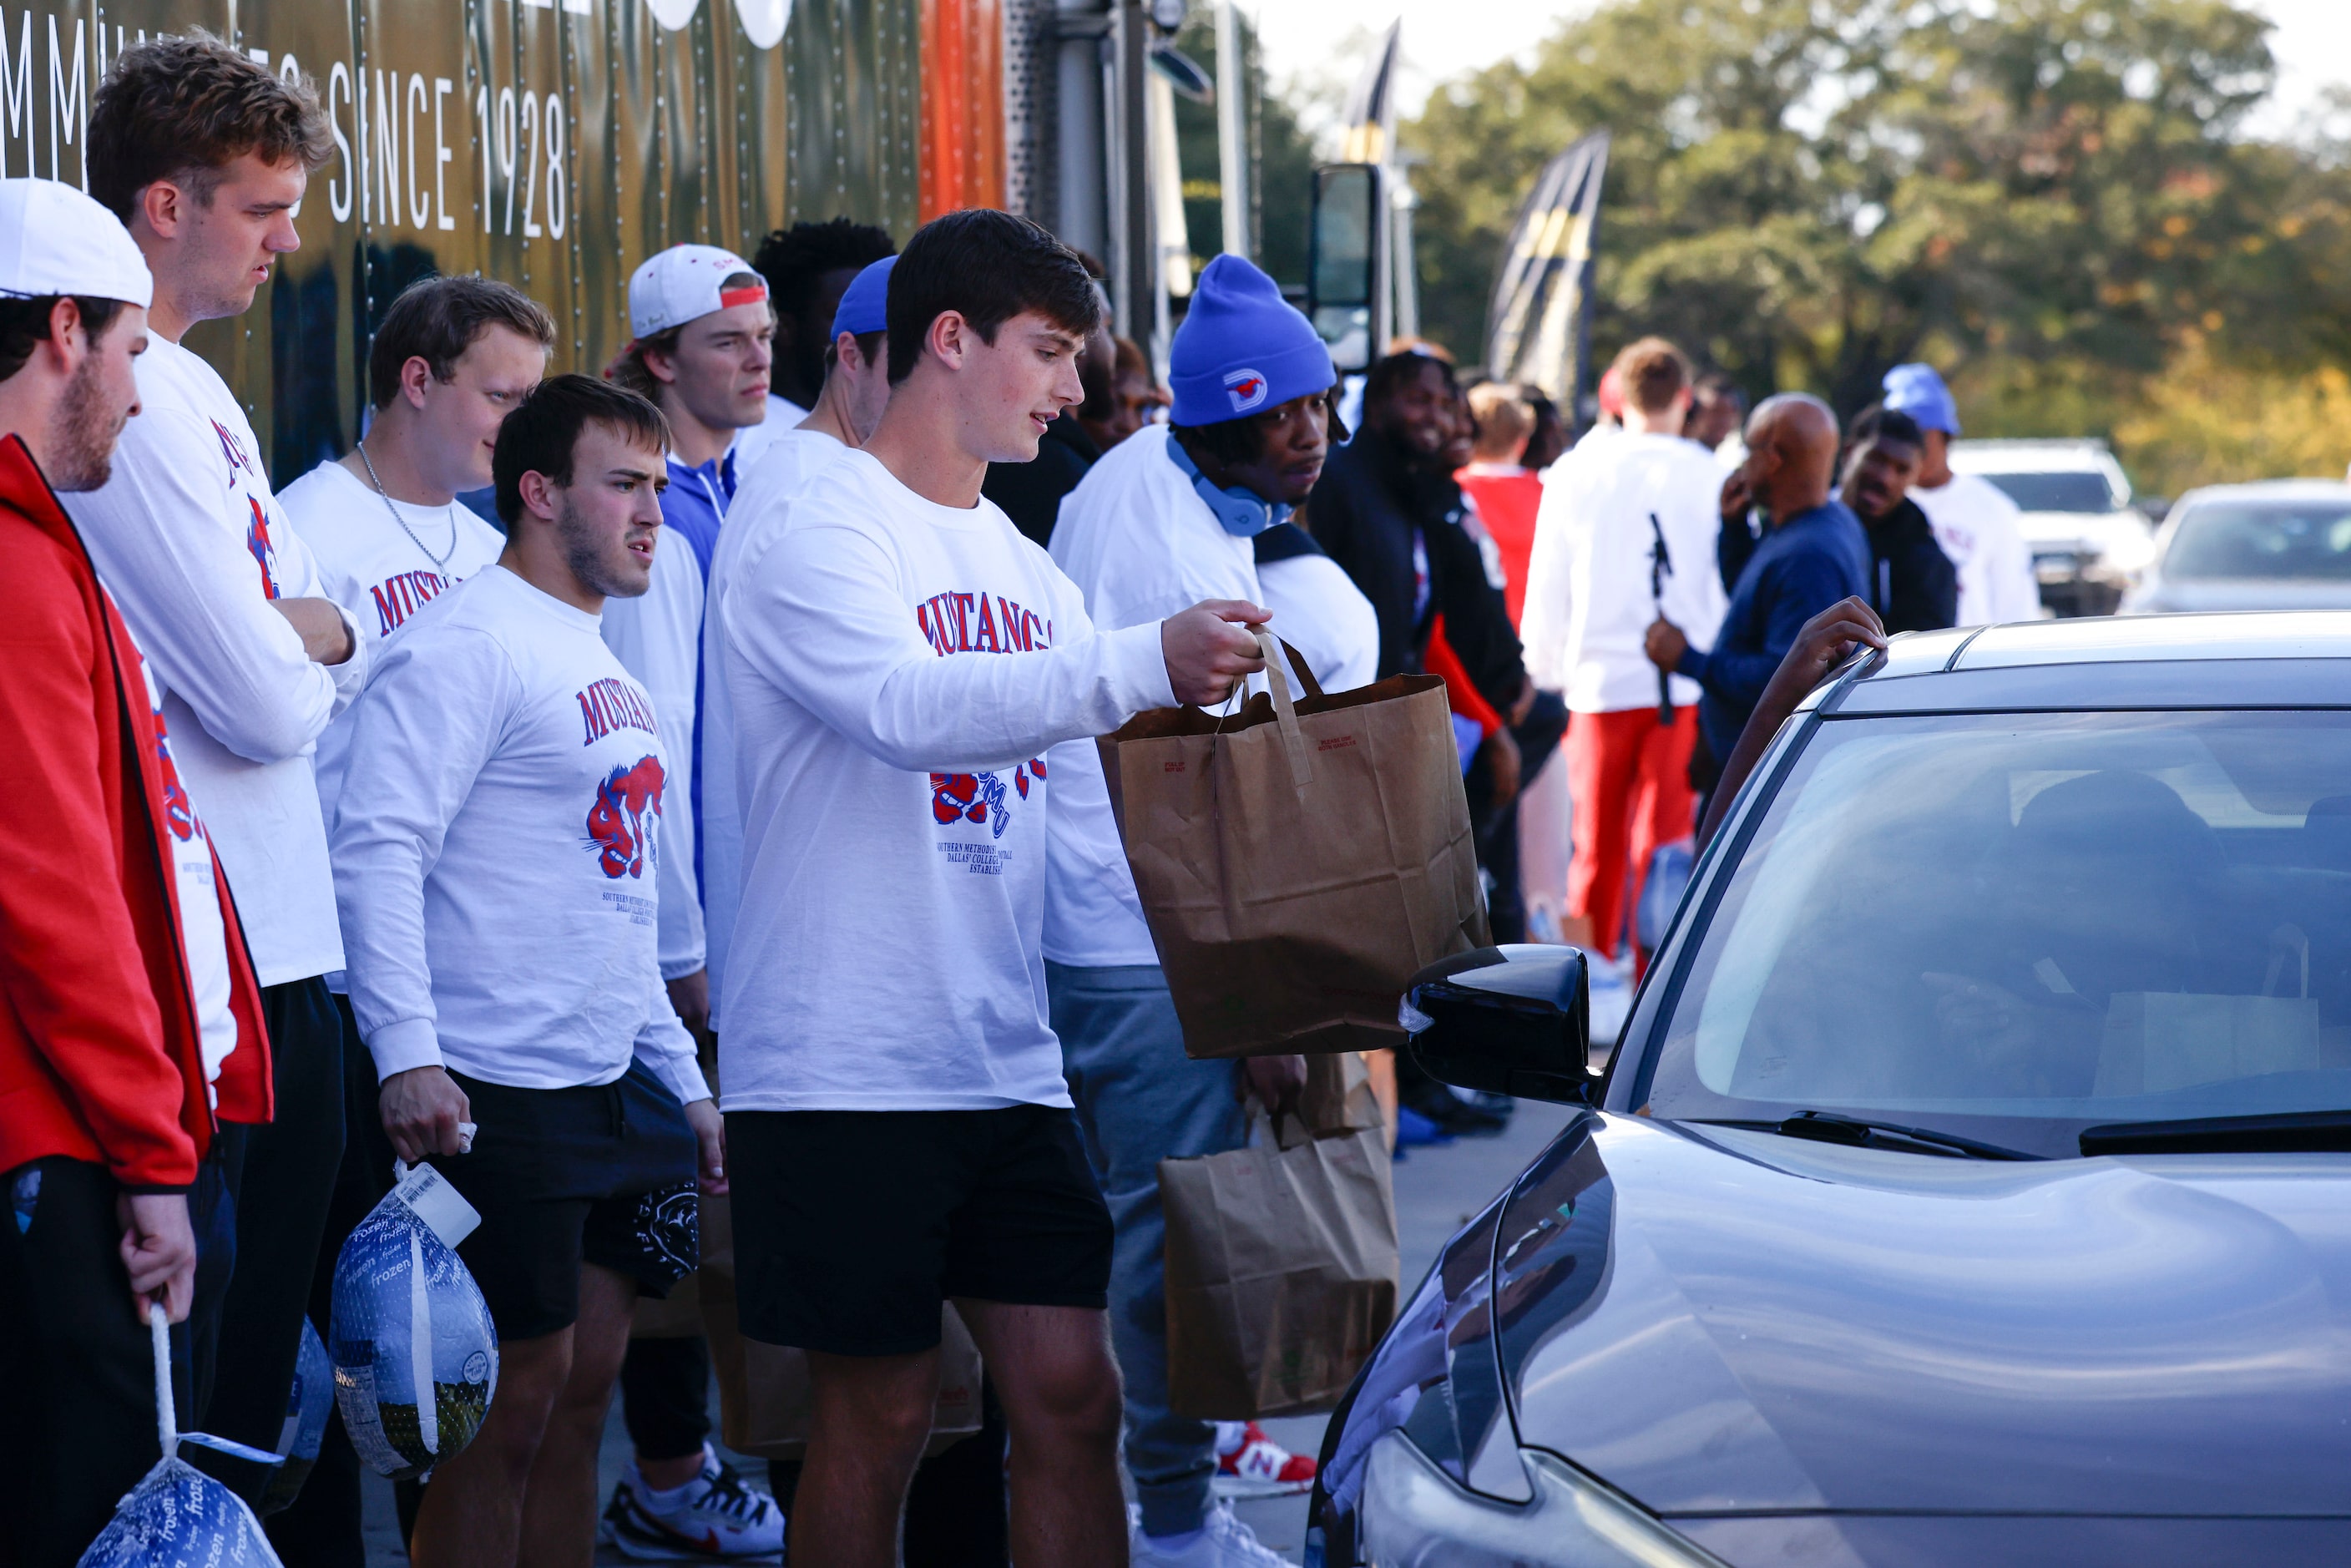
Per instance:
x=716, y=1517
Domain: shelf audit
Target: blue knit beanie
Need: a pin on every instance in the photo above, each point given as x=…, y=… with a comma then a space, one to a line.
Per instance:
x=1919, y=392
x=864, y=304
x=1242, y=348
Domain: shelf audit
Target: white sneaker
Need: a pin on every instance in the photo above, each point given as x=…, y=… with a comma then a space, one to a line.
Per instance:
x=1222, y=1541
x=716, y=1517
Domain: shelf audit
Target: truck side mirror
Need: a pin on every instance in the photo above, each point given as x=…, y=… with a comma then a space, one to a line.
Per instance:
x=1510, y=1020
x=1344, y=253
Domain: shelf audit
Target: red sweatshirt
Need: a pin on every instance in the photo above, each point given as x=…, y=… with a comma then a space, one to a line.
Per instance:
x=98, y=1042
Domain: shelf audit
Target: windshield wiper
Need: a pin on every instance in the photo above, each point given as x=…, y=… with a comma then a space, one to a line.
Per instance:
x=1854, y=1132
x=2287, y=1131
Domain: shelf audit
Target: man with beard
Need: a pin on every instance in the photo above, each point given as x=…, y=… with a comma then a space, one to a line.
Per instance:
x=132, y=1025
x=1169, y=517
x=503, y=977
x=1913, y=585
x=1388, y=510
x=203, y=154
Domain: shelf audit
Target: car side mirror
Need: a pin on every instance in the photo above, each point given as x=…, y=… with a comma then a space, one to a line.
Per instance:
x=1510, y=1020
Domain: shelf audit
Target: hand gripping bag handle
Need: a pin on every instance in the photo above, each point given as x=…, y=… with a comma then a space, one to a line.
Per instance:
x=1285, y=712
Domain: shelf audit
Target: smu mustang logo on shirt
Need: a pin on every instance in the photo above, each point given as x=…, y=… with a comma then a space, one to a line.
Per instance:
x=621, y=822
x=981, y=622
x=979, y=797
x=264, y=553
x=179, y=812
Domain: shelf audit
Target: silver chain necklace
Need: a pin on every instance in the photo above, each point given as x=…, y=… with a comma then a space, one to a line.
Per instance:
x=439, y=561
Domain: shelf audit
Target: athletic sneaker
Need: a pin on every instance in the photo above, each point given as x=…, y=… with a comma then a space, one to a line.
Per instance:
x=1221, y=1541
x=714, y=1517
x=1251, y=1464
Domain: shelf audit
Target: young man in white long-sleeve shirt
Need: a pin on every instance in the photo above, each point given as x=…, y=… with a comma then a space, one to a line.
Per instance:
x=701, y=353
x=856, y=389
x=203, y=154
x=1594, y=582
x=498, y=852
x=899, y=1130
x=451, y=359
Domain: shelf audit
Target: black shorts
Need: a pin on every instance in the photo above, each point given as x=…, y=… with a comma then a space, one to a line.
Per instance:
x=851, y=1227
x=601, y=1174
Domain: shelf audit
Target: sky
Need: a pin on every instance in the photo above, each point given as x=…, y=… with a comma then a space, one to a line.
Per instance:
x=1442, y=38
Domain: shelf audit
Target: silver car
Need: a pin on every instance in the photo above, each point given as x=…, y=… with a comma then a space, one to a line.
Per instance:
x=2282, y=544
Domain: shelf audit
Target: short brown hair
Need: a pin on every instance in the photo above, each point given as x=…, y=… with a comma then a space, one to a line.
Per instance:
x=25, y=323
x=543, y=432
x=628, y=367
x=436, y=319
x=1652, y=373
x=185, y=106
x=1504, y=420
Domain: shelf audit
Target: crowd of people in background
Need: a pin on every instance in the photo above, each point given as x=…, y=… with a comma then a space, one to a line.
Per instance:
x=575, y=749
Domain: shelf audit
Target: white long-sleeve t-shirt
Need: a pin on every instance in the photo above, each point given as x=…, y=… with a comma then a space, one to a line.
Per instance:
x=657, y=637
x=761, y=510
x=189, y=540
x=497, y=850
x=1589, y=604
x=380, y=571
x=898, y=669
x=1978, y=527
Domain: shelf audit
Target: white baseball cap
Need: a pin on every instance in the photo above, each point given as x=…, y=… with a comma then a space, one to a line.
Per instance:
x=684, y=282
x=56, y=240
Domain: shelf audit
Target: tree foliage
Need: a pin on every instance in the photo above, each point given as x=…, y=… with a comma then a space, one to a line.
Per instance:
x=1805, y=193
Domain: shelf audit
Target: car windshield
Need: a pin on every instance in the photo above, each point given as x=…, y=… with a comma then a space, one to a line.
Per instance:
x=2060, y=492
x=2262, y=539
x=2014, y=927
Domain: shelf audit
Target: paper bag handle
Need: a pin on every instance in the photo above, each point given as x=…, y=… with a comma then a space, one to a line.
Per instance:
x=1285, y=712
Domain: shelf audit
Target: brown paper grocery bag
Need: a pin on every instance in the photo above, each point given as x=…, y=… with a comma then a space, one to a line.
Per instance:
x=1281, y=1272
x=763, y=1389
x=1298, y=862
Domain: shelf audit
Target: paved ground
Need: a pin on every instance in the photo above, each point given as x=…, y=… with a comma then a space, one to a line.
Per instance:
x=1436, y=1189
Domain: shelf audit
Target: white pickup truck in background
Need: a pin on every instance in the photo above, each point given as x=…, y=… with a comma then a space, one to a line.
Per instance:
x=2085, y=537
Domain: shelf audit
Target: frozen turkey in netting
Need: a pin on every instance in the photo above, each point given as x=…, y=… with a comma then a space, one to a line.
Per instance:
x=415, y=1353
x=308, y=1403
x=178, y=1517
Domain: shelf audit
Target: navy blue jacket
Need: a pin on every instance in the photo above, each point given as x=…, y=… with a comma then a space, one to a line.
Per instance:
x=1798, y=569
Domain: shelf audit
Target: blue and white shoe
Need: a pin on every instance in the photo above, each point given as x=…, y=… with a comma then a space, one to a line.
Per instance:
x=716, y=1517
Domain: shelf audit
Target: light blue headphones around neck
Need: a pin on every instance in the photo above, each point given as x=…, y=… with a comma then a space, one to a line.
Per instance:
x=1240, y=511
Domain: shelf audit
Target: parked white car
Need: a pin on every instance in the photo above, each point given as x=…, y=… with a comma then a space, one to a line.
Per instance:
x=2280, y=543
x=2085, y=538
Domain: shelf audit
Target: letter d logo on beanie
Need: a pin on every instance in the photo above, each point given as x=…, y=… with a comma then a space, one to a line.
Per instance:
x=1242, y=348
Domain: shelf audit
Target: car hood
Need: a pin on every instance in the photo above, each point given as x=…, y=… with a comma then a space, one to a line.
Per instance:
x=1724, y=1321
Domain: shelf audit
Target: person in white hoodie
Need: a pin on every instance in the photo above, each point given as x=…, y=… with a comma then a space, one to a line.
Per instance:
x=901, y=661
x=497, y=854
x=1171, y=516
x=1625, y=534
x=204, y=154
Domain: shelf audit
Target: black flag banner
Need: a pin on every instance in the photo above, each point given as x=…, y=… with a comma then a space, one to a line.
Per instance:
x=1541, y=319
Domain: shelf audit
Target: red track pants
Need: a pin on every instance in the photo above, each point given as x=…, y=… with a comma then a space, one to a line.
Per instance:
x=1629, y=778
